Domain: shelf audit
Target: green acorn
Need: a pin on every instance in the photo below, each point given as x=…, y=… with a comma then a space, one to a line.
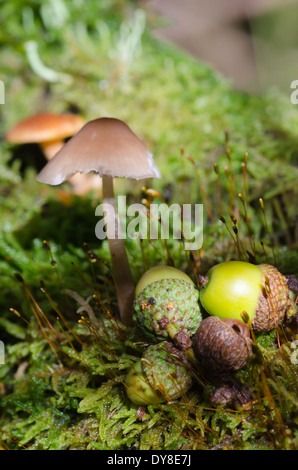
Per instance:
x=157, y=274
x=234, y=287
x=167, y=306
x=162, y=374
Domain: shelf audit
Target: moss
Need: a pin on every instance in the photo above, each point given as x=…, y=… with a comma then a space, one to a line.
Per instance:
x=67, y=391
x=61, y=386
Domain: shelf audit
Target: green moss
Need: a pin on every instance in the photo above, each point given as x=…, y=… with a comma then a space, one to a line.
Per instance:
x=68, y=392
x=62, y=383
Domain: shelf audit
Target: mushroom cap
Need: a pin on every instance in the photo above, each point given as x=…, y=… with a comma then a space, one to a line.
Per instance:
x=105, y=145
x=45, y=127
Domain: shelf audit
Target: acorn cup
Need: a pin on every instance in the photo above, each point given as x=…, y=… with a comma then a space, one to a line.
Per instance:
x=162, y=374
x=167, y=306
x=274, y=300
x=234, y=287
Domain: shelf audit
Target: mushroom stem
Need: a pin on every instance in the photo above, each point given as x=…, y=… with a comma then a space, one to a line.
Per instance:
x=51, y=148
x=121, y=269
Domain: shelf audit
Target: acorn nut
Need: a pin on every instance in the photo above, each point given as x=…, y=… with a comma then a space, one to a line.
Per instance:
x=162, y=374
x=166, y=304
x=222, y=345
x=234, y=287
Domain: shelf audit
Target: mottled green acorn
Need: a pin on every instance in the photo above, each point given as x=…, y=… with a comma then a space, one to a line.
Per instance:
x=162, y=374
x=167, y=307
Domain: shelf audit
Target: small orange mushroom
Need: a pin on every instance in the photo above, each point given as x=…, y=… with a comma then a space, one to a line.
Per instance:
x=46, y=129
x=49, y=131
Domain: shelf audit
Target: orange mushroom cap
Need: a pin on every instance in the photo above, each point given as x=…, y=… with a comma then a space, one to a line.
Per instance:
x=45, y=127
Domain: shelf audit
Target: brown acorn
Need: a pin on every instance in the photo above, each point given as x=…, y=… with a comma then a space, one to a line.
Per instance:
x=222, y=345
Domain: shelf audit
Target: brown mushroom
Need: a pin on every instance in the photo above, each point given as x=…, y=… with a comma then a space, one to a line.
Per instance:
x=109, y=147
